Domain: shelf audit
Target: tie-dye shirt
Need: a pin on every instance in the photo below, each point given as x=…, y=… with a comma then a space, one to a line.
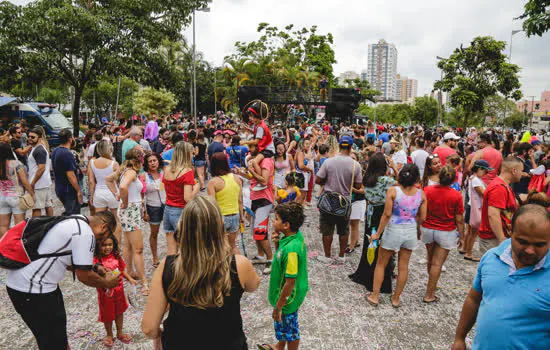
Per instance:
x=405, y=207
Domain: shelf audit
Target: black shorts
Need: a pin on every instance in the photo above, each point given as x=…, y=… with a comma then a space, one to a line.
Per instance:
x=45, y=315
x=328, y=222
x=155, y=214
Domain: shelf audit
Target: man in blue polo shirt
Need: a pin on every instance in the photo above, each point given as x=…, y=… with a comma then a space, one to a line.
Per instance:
x=510, y=297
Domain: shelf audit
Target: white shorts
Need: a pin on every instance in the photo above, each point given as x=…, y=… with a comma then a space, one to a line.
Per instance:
x=358, y=210
x=10, y=205
x=44, y=198
x=444, y=239
x=104, y=198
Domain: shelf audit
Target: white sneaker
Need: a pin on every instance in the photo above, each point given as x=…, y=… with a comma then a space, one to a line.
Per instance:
x=341, y=260
x=259, y=187
x=423, y=261
x=258, y=259
x=324, y=259
x=443, y=268
x=267, y=270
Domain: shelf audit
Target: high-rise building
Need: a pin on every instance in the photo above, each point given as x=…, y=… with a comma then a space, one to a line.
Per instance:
x=406, y=88
x=382, y=68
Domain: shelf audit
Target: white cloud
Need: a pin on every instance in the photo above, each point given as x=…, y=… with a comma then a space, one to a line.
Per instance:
x=421, y=30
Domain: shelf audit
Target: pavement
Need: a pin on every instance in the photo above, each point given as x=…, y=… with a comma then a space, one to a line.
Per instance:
x=334, y=315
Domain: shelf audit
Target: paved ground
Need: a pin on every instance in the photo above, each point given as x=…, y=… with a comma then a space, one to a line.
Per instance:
x=335, y=314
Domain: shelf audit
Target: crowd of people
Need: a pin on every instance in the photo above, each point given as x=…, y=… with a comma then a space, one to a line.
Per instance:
x=208, y=184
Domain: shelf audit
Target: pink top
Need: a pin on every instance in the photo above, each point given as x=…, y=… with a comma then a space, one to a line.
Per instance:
x=267, y=193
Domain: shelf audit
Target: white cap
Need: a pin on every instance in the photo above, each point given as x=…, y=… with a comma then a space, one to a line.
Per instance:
x=450, y=136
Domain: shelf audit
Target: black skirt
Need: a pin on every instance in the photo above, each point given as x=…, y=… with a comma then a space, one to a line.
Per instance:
x=365, y=272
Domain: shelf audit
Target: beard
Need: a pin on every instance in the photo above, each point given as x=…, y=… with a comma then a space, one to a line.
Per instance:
x=528, y=259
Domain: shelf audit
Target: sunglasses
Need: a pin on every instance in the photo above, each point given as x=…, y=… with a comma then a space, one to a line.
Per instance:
x=432, y=156
x=33, y=137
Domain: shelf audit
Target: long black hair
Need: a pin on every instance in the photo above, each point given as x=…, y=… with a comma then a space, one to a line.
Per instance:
x=377, y=167
x=5, y=154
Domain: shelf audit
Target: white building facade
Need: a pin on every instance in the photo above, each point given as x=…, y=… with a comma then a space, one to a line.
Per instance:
x=382, y=69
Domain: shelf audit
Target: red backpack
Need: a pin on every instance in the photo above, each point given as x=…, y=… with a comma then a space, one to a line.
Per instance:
x=19, y=246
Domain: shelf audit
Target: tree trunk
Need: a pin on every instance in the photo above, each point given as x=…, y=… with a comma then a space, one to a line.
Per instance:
x=76, y=110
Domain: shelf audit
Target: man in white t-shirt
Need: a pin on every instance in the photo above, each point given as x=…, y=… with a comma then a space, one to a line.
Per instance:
x=34, y=289
x=419, y=156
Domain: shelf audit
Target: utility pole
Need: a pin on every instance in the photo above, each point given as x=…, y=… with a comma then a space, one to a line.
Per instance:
x=117, y=97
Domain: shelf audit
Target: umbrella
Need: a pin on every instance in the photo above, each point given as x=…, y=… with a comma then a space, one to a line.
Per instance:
x=217, y=132
x=229, y=132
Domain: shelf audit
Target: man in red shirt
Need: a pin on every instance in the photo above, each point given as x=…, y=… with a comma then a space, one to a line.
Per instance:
x=488, y=153
x=447, y=147
x=499, y=205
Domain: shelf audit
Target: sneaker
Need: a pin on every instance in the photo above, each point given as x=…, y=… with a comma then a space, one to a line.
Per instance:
x=443, y=268
x=259, y=259
x=341, y=260
x=324, y=259
x=267, y=270
x=423, y=261
x=258, y=187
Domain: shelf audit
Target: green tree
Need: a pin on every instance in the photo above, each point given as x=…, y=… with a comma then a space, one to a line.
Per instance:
x=425, y=110
x=79, y=41
x=499, y=108
x=151, y=101
x=472, y=74
x=536, y=17
x=101, y=96
x=514, y=120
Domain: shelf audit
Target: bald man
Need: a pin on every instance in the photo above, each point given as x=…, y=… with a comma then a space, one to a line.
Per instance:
x=510, y=296
x=499, y=204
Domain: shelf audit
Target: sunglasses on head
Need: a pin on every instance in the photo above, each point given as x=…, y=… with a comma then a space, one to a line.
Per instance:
x=432, y=156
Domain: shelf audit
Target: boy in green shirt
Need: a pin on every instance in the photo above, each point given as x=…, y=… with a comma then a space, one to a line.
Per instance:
x=288, y=283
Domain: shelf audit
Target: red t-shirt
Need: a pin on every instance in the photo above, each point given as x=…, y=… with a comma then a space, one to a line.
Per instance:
x=111, y=262
x=267, y=193
x=443, y=153
x=174, y=189
x=444, y=204
x=500, y=195
x=494, y=158
x=266, y=138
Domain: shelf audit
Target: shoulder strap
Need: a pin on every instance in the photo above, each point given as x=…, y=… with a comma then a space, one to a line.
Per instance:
x=352, y=179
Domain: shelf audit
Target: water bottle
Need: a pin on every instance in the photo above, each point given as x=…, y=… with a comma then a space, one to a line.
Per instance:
x=373, y=232
x=109, y=292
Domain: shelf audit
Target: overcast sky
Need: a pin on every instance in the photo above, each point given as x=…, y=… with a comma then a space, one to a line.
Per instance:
x=420, y=29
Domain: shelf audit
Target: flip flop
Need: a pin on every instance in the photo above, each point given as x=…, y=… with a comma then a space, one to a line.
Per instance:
x=371, y=302
x=108, y=342
x=461, y=252
x=155, y=265
x=431, y=301
x=125, y=338
x=395, y=306
x=264, y=347
x=145, y=291
x=472, y=259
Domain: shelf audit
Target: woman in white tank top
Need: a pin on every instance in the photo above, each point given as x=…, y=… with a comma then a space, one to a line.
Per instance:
x=98, y=170
x=130, y=213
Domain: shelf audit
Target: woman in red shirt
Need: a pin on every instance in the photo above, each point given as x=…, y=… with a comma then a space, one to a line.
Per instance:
x=180, y=186
x=439, y=230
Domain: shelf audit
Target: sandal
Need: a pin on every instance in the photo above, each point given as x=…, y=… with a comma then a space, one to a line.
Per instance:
x=395, y=306
x=431, y=301
x=155, y=265
x=371, y=302
x=145, y=290
x=108, y=342
x=264, y=347
x=125, y=338
x=472, y=259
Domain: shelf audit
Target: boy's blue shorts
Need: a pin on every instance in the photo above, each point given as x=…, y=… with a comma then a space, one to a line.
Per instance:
x=289, y=329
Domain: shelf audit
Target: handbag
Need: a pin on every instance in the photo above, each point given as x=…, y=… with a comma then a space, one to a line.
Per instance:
x=26, y=202
x=335, y=204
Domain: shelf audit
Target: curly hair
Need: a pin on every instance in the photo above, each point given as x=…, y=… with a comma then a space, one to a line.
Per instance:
x=146, y=161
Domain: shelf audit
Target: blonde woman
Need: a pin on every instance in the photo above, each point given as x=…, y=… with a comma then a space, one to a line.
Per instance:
x=333, y=147
x=131, y=207
x=180, y=187
x=203, y=285
x=98, y=170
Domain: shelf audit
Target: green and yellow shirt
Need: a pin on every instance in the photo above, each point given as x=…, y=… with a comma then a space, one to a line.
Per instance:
x=290, y=261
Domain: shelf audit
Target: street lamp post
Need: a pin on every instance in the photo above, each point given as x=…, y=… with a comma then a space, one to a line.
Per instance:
x=194, y=102
x=514, y=32
x=440, y=97
x=532, y=108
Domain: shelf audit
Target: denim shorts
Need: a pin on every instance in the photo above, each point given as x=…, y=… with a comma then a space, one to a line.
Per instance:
x=171, y=218
x=444, y=239
x=200, y=163
x=231, y=223
x=155, y=214
x=10, y=205
x=399, y=236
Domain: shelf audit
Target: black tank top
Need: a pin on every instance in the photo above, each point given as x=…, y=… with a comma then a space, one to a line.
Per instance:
x=202, y=151
x=211, y=328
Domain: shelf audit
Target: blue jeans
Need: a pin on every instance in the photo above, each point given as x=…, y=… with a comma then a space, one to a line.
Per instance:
x=70, y=203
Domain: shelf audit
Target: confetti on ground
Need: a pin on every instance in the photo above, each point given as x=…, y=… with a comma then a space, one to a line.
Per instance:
x=335, y=314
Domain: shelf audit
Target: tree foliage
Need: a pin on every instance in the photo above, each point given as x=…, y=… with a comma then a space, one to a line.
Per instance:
x=151, y=101
x=280, y=57
x=471, y=74
x=80, y=41
x=101, y=96
x=536, y=17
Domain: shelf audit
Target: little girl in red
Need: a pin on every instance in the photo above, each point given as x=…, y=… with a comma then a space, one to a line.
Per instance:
x=112, y=302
